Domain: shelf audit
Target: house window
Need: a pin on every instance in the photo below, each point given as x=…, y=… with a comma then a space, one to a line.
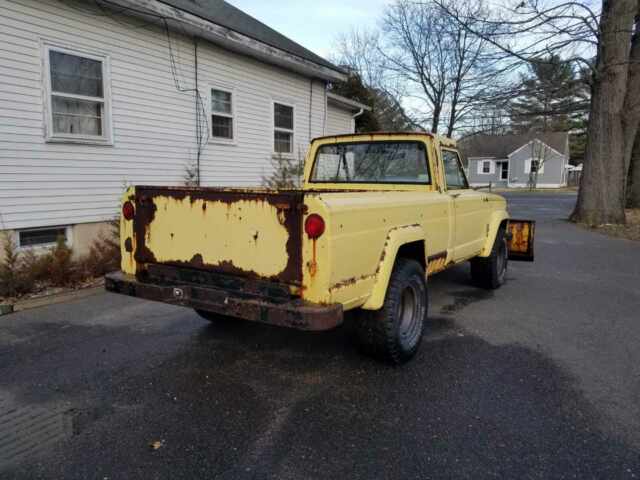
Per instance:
x=534, y=165
x=222, y=114
x=77, y=97
x=42, y=237
x=283, y=128
x=486, y=166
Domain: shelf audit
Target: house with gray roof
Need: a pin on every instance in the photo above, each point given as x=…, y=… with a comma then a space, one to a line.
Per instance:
x=517, y=161
x=97, y=94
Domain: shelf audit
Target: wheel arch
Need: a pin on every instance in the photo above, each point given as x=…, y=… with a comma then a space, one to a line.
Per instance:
x=408, y=241
x=497, y=220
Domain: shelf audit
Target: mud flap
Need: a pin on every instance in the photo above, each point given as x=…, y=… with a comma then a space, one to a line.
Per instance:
x=520, y=239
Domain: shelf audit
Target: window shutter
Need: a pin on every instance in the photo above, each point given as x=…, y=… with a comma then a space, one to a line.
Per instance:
x=479, y=165
x=492, y=168
x=527, y=166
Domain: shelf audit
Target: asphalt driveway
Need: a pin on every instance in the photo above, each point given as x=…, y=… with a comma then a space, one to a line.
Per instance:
x=540, y=379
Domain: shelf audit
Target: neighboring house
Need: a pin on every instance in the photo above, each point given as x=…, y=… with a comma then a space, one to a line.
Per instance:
x=512, y=160
x=95, y=95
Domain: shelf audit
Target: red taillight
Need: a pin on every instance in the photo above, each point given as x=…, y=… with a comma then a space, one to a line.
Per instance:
x=314, y=225
x=128, y=210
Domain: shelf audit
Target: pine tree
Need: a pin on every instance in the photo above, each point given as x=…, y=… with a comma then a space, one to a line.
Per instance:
x=552, y=98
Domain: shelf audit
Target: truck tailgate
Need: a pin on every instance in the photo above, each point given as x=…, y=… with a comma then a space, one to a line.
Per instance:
x=253, y=233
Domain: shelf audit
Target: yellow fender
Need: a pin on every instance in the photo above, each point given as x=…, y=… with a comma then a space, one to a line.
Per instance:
x=494, y=223
x=395, y=239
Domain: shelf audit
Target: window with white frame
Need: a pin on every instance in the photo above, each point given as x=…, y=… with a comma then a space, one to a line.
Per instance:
x=485, y=167
x=534, y=165
x=283, y=128
x=222, y=111
x=77, y=96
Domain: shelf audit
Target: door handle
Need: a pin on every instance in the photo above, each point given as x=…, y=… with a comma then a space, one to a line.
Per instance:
x=454, y=195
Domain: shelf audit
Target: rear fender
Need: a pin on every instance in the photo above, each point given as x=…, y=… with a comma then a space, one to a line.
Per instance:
x=395, y=239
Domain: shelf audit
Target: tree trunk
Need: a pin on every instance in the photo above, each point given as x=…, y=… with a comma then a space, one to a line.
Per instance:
x=633, y=194
x=632, y=100
x=602, y=189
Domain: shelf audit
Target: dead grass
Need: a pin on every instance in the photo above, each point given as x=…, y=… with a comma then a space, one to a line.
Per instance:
x=630, y=231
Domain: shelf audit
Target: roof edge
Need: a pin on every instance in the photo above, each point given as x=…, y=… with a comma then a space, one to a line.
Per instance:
x=230, y=39
x=347, y=102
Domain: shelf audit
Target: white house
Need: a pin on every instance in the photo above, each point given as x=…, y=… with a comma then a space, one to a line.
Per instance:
x=96, y=94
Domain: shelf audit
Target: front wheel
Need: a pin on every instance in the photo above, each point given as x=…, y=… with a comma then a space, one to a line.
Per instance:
x=490, y=272
x=394, y=332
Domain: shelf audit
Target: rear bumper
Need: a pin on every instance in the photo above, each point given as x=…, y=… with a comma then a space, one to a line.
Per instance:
x=294, y=314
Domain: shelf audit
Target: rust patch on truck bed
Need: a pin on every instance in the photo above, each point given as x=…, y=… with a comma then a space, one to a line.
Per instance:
x=287, y=203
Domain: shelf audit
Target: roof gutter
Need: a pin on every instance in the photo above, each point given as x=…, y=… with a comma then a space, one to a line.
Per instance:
x=348, y=103
x=227, y=38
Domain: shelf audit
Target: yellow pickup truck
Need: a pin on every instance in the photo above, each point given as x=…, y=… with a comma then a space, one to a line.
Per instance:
x=376, y=215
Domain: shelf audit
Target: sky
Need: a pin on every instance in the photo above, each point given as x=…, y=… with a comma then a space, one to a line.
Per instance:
x=314, y=25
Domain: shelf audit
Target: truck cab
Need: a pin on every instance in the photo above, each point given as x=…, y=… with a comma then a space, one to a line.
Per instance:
x=375, y=216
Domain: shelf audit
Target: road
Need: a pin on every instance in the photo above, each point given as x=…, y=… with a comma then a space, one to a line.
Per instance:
x=540, y=379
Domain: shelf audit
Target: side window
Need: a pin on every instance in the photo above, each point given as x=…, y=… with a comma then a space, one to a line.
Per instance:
x=283, y=128
x=77, y=97
x=222, y=114
x=454, y=176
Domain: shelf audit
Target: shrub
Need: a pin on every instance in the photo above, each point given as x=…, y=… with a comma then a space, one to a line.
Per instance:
x=286, y=173
x=61, y=269
x=31, y=271
x=11, y=280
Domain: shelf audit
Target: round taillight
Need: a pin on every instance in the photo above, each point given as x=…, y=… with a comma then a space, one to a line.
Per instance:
x=314, y=225
x=128, y=210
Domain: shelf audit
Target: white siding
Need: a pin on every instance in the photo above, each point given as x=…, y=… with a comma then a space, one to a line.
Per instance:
x=339, y=120
x=45, y=184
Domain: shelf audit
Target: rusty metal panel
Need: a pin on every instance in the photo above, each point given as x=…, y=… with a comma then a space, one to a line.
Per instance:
x=520, y=239
x=251, y=233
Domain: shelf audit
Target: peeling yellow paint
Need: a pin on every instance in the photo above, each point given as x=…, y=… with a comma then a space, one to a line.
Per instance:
x=219, y=232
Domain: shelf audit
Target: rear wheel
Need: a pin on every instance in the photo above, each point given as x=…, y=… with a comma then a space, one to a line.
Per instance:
x=489, y=272
x=394, y=332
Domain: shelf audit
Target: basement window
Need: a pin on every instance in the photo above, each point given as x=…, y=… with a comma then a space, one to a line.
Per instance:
x=77, y=97
x=42, y=237
x=283, y=124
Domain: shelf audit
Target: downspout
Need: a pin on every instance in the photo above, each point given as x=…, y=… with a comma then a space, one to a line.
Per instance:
x=324, y=119
x=353, y=119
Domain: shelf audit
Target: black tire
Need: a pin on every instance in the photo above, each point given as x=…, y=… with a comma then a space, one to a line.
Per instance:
x=394, y=333
x=490, y=272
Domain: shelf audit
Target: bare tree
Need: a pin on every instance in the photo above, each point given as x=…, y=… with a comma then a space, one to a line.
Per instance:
x=450, y=71
x=539, y=153
x=578, y=31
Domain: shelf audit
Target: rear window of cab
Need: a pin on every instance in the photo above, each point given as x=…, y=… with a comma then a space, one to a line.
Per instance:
x=388, y=162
